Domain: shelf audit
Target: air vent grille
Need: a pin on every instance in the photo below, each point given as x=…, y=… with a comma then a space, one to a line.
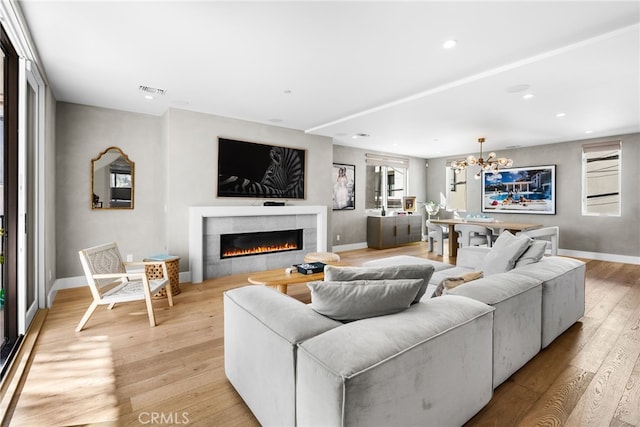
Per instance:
x=151, y=90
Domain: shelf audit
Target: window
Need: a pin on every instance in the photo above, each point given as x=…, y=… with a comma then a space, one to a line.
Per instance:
x=601, y=182
x=387, y=181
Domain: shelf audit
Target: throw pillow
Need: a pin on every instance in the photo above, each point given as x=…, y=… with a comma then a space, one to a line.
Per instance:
x=504, y=253
x=533, y=254
x=413, y=271
x=360, y=299
x=452, y=282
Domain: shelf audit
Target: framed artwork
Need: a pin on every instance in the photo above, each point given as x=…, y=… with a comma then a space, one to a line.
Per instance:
x=530, y=190
x=247, y=169
x=409, y=203
x=344, y=186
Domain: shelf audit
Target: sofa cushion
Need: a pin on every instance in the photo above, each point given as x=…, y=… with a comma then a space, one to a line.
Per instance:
x=360, y=299
x=504, y=253
x=429, y=365
x=533, y=254
x=404, y=271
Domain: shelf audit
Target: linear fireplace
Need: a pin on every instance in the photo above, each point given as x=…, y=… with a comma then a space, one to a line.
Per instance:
x=258, y=243
x=208, y=223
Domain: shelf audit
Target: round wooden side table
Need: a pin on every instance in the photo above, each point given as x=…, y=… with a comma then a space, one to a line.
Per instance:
x=173, y=269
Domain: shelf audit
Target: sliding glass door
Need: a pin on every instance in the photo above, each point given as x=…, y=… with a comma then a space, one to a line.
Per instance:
x=9, y=199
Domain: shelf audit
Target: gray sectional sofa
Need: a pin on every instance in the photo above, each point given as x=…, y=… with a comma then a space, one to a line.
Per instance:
x=436, y=362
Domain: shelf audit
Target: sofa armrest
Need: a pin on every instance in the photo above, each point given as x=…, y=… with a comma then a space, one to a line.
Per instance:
x=261, y=329
x=471, y=256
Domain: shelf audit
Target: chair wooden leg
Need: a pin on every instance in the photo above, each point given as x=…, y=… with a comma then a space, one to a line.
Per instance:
x=147, y=299
x=110, y=306
x=169, y=294
x=86, y=316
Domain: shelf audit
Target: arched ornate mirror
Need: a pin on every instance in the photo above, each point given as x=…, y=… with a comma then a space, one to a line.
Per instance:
x=112, y=179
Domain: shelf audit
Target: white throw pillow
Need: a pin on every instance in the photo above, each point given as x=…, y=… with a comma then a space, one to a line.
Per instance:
x=533, y=254
x=359, y=299
x=504, y=253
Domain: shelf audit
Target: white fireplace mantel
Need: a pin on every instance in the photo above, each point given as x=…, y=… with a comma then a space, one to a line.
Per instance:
x=197, y=215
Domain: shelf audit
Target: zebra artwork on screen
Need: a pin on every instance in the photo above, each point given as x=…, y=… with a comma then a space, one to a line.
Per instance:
x=247, y=169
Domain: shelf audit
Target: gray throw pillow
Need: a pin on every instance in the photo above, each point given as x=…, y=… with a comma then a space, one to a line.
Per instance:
x=504, y=253
x=360, y=299
x=533, y=254
x=413, y=271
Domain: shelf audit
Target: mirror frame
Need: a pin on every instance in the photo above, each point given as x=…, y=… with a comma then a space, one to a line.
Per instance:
x=93, y=162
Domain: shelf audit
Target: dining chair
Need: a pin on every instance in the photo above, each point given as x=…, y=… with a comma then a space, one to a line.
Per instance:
x=474, y=235
x=549, y=234
x=438, y=233
x=110, y=282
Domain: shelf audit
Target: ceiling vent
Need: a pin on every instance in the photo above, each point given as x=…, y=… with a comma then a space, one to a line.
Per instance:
x=152, y=90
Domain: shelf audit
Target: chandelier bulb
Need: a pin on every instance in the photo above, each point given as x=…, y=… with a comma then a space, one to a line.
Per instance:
x=491, y=155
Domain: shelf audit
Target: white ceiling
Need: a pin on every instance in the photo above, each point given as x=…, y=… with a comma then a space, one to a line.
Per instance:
x=342, y=68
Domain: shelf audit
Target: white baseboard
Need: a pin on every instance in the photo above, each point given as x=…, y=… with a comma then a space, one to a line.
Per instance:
x=624, y=259
x=65, y=283
x=350, y=247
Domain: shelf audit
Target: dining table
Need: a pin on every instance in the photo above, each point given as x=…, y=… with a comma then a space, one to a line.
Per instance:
x=513, y=227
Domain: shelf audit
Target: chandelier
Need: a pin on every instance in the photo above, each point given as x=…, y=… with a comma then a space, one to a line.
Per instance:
x=490, y=164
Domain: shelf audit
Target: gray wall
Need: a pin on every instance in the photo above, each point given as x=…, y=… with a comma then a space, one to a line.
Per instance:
x=82, y=132
x=175, y=167
x=192, y=163
x=351, y=225
x=610, y=235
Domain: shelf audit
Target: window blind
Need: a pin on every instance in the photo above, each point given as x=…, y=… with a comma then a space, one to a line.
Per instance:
x=601, y=146
x=383, y=160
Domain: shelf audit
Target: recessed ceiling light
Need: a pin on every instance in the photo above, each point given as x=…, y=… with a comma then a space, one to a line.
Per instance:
x=528, y=96
x=588, y=131
x=449, y=44
x=360, y=135
x=148, y=97
x=518, y=88
x=561, y=114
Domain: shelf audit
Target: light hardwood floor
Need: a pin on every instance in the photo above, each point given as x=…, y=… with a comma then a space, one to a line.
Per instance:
x=120, y=372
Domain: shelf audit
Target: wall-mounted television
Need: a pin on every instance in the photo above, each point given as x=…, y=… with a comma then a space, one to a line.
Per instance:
x=247, y=169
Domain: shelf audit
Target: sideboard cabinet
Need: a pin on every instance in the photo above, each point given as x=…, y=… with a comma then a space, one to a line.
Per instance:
x=389, y=231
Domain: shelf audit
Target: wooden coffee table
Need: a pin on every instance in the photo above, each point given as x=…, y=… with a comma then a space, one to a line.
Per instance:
x=280, y=279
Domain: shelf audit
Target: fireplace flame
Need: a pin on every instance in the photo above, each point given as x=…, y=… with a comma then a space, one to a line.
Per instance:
x=231, y=252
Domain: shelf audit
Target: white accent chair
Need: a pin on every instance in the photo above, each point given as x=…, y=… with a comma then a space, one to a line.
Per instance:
x=474, y=235
x=550, y=234
x=110, y=283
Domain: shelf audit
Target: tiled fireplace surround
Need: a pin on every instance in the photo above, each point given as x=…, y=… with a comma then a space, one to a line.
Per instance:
x=206, y=224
